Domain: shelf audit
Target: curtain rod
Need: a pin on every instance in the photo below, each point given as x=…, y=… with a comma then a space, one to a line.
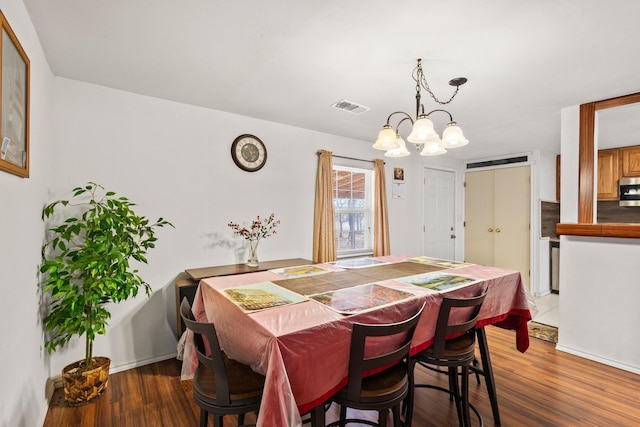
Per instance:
x=350, y=158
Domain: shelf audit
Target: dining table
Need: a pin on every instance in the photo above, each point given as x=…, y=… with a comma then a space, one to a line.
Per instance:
x=302, y=347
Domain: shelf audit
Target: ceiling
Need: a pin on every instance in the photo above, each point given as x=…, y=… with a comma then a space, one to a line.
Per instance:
x=288, y=61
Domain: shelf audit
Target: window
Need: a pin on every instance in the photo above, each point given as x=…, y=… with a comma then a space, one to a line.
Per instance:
x=353, y=206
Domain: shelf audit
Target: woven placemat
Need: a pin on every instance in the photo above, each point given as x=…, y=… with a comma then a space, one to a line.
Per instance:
x=310, y=285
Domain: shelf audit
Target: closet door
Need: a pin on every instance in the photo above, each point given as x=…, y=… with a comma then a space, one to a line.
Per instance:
x=479, y=216
x=497, y=216
x=512, y=219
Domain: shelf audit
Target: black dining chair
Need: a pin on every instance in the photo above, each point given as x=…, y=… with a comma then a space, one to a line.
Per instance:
x=453, y=347
x=221, y=386
x=383, y=390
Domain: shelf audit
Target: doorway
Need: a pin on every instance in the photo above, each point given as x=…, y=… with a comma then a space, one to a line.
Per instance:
x=497, y=218
x=439, y=214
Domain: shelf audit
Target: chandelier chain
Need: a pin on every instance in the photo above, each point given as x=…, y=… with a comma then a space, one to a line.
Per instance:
x=421, y=81
x=426, y=87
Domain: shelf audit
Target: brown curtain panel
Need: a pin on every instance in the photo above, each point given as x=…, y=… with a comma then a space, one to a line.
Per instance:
x=381, y=244
x=324, y=242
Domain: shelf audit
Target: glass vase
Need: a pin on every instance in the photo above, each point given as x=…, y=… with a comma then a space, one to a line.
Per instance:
x=252, y=260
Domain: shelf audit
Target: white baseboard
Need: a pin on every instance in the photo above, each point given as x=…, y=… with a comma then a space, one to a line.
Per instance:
x=138, y=363
x=603, y=360
x=52, y=384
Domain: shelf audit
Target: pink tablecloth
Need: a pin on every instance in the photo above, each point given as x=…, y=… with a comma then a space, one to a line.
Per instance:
x=303, y=349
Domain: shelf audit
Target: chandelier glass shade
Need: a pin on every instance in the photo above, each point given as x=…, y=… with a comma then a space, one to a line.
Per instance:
x=423, y=134
x=422, y=130
x=401, y=151
x=386, y=139
x=452, y=136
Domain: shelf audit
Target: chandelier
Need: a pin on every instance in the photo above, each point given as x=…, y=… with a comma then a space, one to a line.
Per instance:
x=423, y=134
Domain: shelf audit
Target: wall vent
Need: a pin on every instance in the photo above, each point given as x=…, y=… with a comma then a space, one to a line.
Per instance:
x=498, y=162
x=350, y=107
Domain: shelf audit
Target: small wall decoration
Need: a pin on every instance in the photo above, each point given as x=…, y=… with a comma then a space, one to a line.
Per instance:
x=397, y=190
x=14, y=106
x=398, y=174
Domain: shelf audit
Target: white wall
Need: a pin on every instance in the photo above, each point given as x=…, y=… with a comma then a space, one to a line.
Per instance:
x=23, y=365
x=544, y=182
x=598, y=278
x=174, y=161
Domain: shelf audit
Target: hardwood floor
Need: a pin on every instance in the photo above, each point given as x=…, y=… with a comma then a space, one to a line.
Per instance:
x=542, y=387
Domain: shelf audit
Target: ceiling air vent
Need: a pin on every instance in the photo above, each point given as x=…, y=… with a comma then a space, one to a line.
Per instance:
x=498, y=162
x=350, y=107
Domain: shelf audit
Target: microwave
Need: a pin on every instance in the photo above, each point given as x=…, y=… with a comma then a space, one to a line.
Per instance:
x=629, y=191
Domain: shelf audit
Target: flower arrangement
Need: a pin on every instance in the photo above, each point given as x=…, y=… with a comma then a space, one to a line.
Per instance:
x=259, y=229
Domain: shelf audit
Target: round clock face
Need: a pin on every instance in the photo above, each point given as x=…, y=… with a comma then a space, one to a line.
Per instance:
x=249, y=153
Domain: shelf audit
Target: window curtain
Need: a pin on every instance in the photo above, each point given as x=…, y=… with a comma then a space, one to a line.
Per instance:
x=324, y=242
x=381, y=244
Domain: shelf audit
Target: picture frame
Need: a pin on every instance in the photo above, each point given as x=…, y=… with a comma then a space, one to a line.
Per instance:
x=14, y=103
x=398, y=174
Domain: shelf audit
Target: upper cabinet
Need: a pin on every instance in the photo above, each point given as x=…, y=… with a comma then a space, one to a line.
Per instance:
x=613, y=164
x=630, y=161
x=609, y=173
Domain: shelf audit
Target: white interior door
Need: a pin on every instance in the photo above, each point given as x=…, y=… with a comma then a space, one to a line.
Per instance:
x=439, y=214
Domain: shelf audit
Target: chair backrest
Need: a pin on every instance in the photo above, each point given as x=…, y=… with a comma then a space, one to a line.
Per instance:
x=394, y=350
x=208, y=349
x=449, y=325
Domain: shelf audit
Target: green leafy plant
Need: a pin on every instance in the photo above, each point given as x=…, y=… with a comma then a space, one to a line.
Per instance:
x=86, y=264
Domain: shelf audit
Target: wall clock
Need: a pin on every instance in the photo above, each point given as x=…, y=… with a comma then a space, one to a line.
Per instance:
x=249, y=153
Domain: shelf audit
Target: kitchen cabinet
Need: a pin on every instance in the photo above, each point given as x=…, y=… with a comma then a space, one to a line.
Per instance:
x=630, y=161
x=497, y=218
x=608, y=174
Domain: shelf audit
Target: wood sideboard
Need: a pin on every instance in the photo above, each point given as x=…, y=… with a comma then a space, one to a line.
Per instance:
x=186, y=282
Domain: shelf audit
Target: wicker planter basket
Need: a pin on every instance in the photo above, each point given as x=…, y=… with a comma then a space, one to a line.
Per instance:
x=82, y=384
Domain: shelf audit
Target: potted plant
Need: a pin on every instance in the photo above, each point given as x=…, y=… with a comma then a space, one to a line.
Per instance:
x=86, y=265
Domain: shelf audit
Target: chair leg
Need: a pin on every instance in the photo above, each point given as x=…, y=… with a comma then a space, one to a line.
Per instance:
x=396, y=416
x=240, y=419
x=383, y=414
x=455, y=390
x=407, y=405
x=217, y=420
x=488, y=373
x=452, y=383
x=204, y=418
x=318, y=416
x=465, y=397
x=476, y=370
x=343, y=415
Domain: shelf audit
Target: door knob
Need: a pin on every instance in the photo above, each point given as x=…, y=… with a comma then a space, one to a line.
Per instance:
x=453, y=236
x=498, y=230
x=490, y=230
